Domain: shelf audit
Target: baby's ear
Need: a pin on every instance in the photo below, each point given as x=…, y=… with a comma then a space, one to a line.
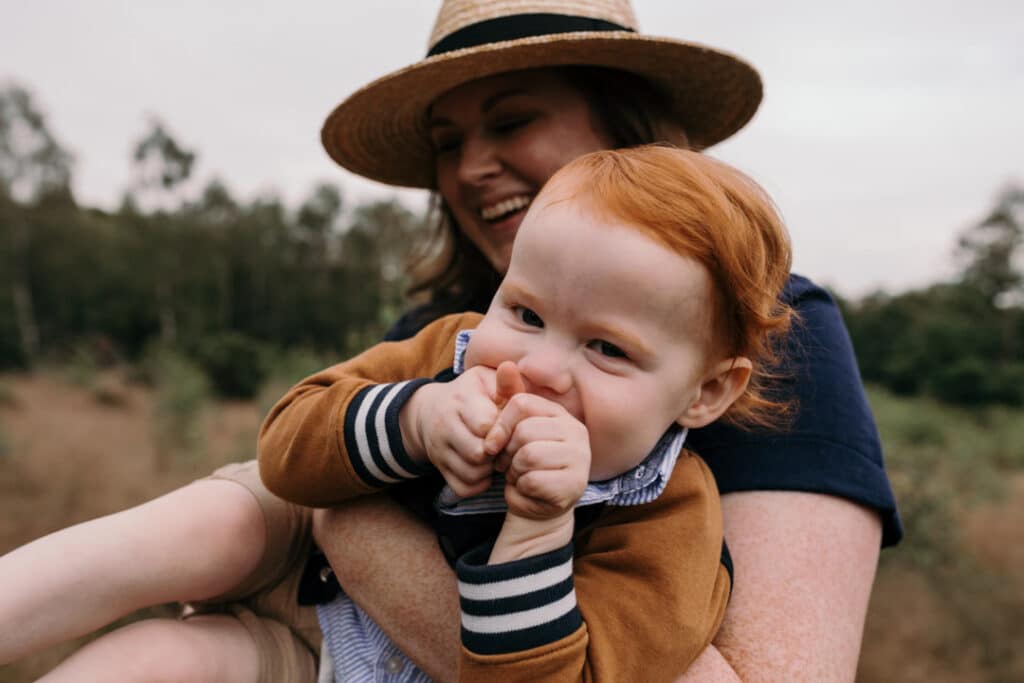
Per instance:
x=723, y=384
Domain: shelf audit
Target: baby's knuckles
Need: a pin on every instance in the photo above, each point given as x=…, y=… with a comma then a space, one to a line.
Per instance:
x=553, y=491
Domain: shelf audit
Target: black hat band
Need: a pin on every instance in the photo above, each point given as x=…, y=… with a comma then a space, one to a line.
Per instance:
x=516, y=26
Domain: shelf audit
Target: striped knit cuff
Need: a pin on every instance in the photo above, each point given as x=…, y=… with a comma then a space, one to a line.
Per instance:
x=517, y=605
x=373, y=437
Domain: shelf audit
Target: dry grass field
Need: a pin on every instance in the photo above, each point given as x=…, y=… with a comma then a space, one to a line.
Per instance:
x=70, y=452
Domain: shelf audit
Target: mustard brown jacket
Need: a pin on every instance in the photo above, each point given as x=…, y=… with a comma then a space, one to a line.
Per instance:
x=636, y=596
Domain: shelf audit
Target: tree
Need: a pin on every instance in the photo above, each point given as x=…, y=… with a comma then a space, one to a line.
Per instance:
x=32, y=163
x=34, y=168
x=375, y=251
x=992, y=250
x=957, y=341
x=160, y=162
x=161, y=167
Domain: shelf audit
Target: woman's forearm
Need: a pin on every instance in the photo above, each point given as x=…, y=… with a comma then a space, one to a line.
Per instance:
x=391, y=565
x=710, y=667
x=805, y=564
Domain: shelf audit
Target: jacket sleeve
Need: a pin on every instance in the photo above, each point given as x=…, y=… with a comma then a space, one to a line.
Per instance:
x=335, y=435
x=643, y=596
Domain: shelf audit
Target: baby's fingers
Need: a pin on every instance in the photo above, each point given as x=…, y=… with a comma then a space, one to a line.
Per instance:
x=518, y=408
x=502, y=462
x=478, y=414
x=465, y=478
x=542, y=494
x=508, y=383
x=563, y=429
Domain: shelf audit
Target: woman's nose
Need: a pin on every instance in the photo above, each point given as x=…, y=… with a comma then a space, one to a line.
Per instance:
x=546, y=369
x=478, y=159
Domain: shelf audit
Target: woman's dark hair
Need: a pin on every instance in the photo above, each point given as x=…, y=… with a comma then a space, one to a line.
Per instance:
x=451, y=273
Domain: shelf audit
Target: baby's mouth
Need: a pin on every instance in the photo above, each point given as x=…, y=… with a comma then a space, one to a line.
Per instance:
x=496, y=212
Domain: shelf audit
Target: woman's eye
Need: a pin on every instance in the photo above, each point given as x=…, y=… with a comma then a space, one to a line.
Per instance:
x=528, y=317
x=509, y=125
x=607, y=349
x=445, y=144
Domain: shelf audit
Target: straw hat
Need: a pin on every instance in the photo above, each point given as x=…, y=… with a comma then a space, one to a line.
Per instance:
x=380, y=132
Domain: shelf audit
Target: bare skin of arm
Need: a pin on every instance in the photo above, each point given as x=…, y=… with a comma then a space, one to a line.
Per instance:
x=804, y=564
x=391, y=565
x=78, y=579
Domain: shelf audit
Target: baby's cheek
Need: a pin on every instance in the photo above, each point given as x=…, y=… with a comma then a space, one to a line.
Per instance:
x=486, y=347
x=473, y=351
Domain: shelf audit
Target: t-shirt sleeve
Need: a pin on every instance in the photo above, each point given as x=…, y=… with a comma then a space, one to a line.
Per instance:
x=832, y=445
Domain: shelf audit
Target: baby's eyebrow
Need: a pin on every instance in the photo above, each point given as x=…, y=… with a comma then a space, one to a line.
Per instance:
x=623, y=337
x=512, y=289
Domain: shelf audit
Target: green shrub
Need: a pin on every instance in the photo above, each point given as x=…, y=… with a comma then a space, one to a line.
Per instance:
x=932, y=455
x=1008, y=384
x=8, y=399
x=236, y=364
x=109, y=391
x=5, y=443
x=182, y=395
x=286, y=369
x=942, y=462
x=81, y=368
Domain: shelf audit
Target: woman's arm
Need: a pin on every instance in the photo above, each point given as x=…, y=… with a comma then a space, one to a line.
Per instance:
x=677, y=593
x=391, y=565
x=804, y=567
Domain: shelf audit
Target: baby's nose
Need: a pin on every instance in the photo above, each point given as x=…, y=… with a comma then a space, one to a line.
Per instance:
x=546, y=370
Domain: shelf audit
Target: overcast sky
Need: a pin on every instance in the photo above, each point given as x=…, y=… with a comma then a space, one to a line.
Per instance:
x=886, y=128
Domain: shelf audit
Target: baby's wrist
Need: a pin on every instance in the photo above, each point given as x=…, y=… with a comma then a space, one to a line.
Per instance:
x=409, y=423
x=525, y=537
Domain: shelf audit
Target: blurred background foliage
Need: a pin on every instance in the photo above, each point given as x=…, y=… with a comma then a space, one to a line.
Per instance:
x=213, y=298
x=230, y=283
x=225, y=283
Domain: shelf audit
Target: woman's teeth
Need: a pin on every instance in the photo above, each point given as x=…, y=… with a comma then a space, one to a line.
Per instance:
x=490, y=213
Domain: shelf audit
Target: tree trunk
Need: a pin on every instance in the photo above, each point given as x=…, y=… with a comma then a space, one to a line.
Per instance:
x=165, y=307
x=21, y=291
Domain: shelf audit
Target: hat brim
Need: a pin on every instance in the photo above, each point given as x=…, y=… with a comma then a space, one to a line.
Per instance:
x=380, y=132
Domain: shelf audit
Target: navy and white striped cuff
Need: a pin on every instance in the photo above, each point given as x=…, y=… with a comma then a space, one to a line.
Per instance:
x=373, y=437
x=518, y=605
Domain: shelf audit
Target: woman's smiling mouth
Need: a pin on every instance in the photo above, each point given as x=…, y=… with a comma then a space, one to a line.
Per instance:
x=495, y=212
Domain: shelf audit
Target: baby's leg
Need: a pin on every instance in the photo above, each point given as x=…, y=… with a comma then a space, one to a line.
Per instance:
x=196, y=542
x=211, y=648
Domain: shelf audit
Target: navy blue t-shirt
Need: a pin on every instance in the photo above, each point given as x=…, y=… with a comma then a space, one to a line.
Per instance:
x=832, y=445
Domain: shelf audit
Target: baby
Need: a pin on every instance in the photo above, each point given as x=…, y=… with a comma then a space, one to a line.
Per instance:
x=642, y=300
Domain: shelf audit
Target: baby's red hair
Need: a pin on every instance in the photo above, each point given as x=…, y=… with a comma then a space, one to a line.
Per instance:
x=706, y=210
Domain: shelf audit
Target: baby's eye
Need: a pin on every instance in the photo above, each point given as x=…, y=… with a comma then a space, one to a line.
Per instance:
x=607, y=349
x=528, y=317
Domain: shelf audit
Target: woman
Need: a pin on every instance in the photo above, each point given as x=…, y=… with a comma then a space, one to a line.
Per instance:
x=805, y=512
